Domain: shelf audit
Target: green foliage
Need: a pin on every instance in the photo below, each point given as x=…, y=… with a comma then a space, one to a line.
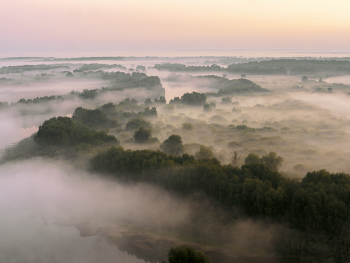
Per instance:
x=142, y=135
x=186, y=254
x=56, y=131
x=137, y=123
x=62, y=131
x=204, y=153
x=89, y=94
x=160, y=100
x=83, y=147
x=255, y=69
x=95, y=119
x=148, y=102
x=207, y=107
x=150, y=112
x=90, y=118
x=272, y=161
x=20, y=69
x=108, y=107
x=252, y=158
x=238, y=86
x=69, y=74
x=194, y=98
x=187, y=126
x=226, y=100
x=173, y=145
x=317, y=207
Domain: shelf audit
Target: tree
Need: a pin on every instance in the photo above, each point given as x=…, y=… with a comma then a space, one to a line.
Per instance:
x=204, y=153
x=91, y=118
x=186, y=254
x=272, y=161
x=69, y=74
x=148, y=102
x=150, y=112
x=137, y=123
x=57, y=131
x=207, y=107
x=142, y=135
x=235, y=158
x=226, y=100
x=173, y=145
x=304, y=79
x=252, y=158
x=160, y=100
x=194, y=98
x=187, y=126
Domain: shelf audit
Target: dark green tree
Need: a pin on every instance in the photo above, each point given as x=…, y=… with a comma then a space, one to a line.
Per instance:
x=252, y=158
x=272, y=161
x=187, y=126
x=137, y=123
x=173, y=145
x=142, y=135
x=207, y=107
x=194, y=98
x=55, y=131
x=204, y=153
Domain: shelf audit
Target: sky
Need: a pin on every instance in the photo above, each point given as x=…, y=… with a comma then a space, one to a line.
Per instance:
x=173, y=25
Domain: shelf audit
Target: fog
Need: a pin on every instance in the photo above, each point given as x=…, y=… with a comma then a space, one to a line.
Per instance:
x=41, y=201
x=53, y=206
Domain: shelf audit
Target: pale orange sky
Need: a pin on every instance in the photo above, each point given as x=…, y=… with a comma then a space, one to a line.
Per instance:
x=119, y=25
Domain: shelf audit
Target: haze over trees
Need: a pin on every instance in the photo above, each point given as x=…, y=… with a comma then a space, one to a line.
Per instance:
x=256, y=161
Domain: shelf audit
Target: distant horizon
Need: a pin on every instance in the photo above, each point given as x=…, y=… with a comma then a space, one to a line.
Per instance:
x=244, y=53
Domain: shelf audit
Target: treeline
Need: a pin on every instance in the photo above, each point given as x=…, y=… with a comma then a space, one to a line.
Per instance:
x=95, y=66
x=20, y=69
x=317, y=208
x=269, y=67
x=119, y=80
x=236, y=68
x=234, y=86
x=176, y=67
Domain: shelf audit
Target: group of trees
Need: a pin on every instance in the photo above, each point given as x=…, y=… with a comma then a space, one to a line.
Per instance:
x=271, y=160
x=62, y=131
x=94, y=119
x=318, y=205
x=194, y=98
